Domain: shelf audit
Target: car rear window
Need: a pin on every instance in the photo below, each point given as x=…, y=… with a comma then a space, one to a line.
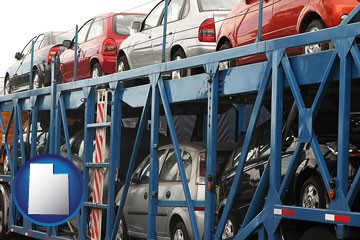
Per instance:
x=216, y=5
x=122, y=23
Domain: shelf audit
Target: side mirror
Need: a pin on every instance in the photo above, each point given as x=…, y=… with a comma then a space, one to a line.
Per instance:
x=136, y=25
x=18, y=56
x=67, y=43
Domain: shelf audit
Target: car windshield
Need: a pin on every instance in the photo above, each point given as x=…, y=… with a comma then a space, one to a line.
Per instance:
x=216, y=5
x=122, y=23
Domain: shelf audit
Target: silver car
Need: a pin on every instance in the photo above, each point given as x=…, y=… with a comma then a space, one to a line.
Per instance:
x=171, y=222
x=191, y=30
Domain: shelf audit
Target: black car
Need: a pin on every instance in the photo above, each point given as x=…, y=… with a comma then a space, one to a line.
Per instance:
x=307, y=188
x=46, y=46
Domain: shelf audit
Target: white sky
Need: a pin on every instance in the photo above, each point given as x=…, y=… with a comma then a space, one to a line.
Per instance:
x=20, y=20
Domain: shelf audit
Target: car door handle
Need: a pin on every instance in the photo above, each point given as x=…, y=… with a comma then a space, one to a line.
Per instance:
x=145, y=195
x=168, y=194
x=149, y=36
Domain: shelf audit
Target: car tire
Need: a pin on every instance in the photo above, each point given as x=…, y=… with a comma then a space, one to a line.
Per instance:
x=7, y=86
x=228, y=64
x=231, y=227
x=2, y=216
x=123, y=64
x=314, y=26
x=318, y=233
x=312, y=194
x=122, y=233
x=37, y=80
x=178, y=55
x=96, y=71
x=179, y=232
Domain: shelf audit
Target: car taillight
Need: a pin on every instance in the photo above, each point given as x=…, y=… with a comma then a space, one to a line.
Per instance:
x=207, y=31
x=54, y=52
x=202, y=168
x=109, y=47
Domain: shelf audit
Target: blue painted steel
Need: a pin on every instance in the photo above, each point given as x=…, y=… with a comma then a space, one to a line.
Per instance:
x=89, y=136
x=53, y=111
x=260, y=20
x=245, y=149
x=142, y=124
x=211, y=156
x=165, y=31
x=154, y=158
x=299, y=71
x=344, y=121
x=115, y=157
x=65, y=127
x=175, y=203
x=34, y=121
x=31, y=65
x=175, y=143
x=76, y=51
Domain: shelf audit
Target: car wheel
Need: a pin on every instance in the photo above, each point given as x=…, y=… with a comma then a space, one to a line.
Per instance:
x=179, y=232
x=226, y=64
x=37, y=81
x=231, y=227
x=319, y=233
x=314, y=26
x=122, y=231
x=312, y=194
x=96, y=71
x=7, y=86
x=123, y=64
x=2, y=216
x=179, y=54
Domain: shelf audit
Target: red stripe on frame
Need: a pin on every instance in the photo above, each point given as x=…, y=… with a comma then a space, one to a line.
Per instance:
x=344, y=219
x=288, y=212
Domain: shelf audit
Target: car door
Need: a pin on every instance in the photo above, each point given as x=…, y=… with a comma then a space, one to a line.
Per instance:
x=170, y=186
x=22, y=65
x=247, y=26
x=138, y=198
x=140, y=53
x=285, y=17
x=67, y=57
x=90, y=47
x=174, y=15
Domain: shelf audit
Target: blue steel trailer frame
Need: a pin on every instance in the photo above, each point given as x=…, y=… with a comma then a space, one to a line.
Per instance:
x=340, y=64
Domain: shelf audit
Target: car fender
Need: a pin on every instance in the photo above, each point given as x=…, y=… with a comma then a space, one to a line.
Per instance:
x=309, y=9
x=184, y=215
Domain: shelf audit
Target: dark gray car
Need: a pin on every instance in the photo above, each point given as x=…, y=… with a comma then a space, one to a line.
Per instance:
x=47, y=45
x=191, y=30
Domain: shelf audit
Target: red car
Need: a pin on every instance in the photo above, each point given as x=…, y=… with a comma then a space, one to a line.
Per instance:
x=98, y=41
x=280, y=18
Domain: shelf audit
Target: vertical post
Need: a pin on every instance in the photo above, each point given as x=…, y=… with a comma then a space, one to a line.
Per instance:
x=213, y=96
x=259, y=36
x=53, y=111
x=164, y=31
x=75, y=52
x=154, y=159
x=34, y=120
x=31, y=65
x=115, y=156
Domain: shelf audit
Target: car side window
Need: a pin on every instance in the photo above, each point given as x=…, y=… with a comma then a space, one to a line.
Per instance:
x=145, y=172
x=170, y=169
x=96, y=29
x=174, y=10
x=84, y=31
x=152, y=19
